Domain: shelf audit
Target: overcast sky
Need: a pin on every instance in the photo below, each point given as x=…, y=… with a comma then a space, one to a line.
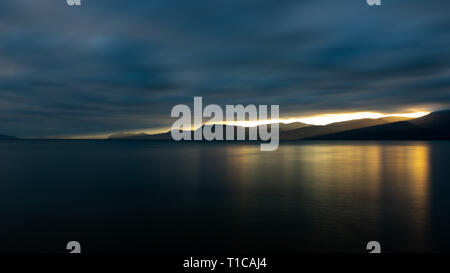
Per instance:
x=118, y=65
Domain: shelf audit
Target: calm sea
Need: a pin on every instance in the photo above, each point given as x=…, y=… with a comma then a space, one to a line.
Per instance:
x=173, y=197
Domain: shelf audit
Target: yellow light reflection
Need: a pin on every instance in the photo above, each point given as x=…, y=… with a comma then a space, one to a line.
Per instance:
x=338, y=189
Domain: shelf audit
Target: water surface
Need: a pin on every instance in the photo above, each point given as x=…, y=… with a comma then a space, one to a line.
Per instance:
x=168, y=197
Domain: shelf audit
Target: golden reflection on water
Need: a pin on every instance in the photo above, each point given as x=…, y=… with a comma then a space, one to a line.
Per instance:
x=384, y=185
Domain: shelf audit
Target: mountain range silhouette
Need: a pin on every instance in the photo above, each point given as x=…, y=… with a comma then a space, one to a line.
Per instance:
x=7, y=137
x=434, y=126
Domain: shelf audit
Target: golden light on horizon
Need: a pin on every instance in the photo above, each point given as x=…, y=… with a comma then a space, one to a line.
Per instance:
x=327, y=118
x=323, y=119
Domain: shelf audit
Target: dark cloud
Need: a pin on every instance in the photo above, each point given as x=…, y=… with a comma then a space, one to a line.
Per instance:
x=114, y=65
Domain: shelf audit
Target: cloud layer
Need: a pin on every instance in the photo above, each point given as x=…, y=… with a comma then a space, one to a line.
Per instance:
x=117, y=65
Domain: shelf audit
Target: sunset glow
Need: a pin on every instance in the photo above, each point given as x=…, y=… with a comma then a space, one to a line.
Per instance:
x=312, y=120
x=328, y=118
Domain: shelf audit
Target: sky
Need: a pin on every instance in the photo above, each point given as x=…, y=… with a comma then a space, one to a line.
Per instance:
x=121, y=65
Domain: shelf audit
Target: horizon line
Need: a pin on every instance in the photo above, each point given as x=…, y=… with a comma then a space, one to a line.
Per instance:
x=317, y=120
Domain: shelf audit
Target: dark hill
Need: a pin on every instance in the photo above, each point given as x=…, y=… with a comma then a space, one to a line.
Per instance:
x=314, y=131
x=435, y=126
x=7, y=137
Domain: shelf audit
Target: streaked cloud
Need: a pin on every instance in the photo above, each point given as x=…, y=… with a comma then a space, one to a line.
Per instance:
x=116, y=65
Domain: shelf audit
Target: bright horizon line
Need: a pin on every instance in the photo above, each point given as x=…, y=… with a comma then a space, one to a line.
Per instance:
x=323, y=119
x=326, y=119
